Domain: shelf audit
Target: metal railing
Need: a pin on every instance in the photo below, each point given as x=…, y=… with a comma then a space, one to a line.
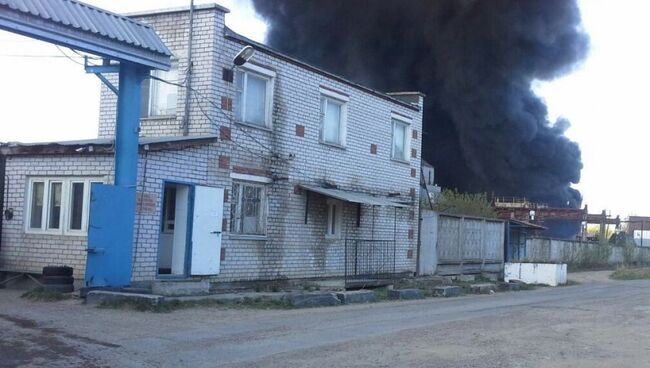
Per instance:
x=369, y=260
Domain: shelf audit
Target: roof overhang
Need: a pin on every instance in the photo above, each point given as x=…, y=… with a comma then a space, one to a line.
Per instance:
x=82, y=27
x=102, y=145
x=354, y=197
x=526, y=225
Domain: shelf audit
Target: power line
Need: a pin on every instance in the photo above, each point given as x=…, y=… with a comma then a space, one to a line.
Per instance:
x=218, y=108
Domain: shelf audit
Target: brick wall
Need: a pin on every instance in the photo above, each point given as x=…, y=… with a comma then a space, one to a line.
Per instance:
x=21, y=251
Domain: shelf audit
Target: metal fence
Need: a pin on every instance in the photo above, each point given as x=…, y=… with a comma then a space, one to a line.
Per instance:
x=369, y=261
x=469, y=245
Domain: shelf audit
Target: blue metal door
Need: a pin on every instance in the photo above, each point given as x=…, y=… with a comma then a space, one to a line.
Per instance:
x=109, y=249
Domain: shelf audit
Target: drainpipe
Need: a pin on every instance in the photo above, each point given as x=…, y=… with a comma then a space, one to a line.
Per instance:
x=188, y=76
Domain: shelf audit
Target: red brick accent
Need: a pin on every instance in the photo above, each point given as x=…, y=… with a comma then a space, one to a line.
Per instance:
x=224, y=133
x=409, y=253
x=145, y=202
x=224, y=225
x=249, y=171
x=412, y=192
x=411, y=215
x=297, y=190
x=410, y=233
x=413, y=172
x=373, y=149
x=223, y=254
x=226, y=195
x=300, y=130
x=414, y=153
x=224, y=162
x=226, y=103
x=415, y=134
x=228, y=75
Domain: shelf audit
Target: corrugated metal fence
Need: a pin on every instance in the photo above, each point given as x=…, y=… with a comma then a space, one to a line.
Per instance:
x=469, y=245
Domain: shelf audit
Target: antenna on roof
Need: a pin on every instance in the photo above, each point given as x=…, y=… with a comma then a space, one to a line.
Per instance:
x=243, y=56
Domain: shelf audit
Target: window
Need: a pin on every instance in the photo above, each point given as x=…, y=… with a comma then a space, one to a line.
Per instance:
x=254, y=96
x=58, y=205
x=400, y=146
x=159, y=98
x=334, y=216
x=332, y=121
x=248, y=209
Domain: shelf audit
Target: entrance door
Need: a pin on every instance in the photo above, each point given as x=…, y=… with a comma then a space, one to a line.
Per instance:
x=206, y=230
x=174, y=229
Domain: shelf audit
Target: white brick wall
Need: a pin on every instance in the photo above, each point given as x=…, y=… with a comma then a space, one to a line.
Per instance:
x=291, y=248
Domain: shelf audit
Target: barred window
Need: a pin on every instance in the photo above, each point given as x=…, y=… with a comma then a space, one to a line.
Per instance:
x=248, y=209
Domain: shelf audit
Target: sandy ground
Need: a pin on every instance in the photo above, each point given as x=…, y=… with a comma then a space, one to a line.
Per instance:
x=598, y=323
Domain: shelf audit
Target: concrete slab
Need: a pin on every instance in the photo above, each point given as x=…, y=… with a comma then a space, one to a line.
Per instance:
x=405, y=294
x=447, y=291
x=96, y=297
x=483, y=288
x=306, y=300
x=357, y=296
x=537, y=273
x=232, y=298
x=466, y=278
x=181, y=288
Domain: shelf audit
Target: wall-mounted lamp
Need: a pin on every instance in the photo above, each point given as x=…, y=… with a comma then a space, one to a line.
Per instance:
x=243, y=56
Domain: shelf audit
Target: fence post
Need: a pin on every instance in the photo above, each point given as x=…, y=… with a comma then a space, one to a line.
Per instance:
x=461, y=244
x=483, y=245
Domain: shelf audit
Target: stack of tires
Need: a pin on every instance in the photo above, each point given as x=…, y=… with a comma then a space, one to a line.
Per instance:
x=58, y=279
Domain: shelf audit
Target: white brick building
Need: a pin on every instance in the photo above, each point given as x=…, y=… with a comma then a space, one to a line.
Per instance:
x=294, y=148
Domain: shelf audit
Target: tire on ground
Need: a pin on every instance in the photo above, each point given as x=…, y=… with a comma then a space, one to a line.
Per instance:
x=58, y=280
x=60, y=288
x=57, y=271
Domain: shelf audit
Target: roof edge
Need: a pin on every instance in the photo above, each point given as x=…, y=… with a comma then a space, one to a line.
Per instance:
x=178, y=9
x=229, y=33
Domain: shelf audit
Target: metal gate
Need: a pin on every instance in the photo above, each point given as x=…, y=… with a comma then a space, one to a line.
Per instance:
x=110, y=251
x=368, y=261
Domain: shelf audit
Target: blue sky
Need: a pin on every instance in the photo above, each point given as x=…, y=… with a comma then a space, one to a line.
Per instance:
x=46, y=96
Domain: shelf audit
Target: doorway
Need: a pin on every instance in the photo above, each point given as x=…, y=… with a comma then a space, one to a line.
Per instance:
x=190, y=230
x=172, y=253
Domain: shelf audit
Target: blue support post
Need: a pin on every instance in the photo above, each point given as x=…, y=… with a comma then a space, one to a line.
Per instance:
x=128, y=124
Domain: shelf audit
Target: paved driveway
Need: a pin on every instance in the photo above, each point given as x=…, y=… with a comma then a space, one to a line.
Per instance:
x=598, y=323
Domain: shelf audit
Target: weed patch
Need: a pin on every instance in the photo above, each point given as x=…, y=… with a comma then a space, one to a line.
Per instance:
x=42, y=295
x=174, y=305
x=631, y=274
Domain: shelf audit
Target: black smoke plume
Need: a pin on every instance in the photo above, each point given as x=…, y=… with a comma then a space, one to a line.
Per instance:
x=485, y=130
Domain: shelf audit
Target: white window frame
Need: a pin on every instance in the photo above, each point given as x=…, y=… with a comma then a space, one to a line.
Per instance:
x=328, y=96
x=236, y=212
x=406, y=122
x=66, y=205
x=338, y=219
x=152, y=82
x=259, y=72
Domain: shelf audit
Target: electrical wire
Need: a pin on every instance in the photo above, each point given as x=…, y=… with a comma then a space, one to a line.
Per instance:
x=218, y=108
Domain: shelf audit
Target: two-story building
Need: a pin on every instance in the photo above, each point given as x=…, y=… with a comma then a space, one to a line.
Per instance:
x=271, y=170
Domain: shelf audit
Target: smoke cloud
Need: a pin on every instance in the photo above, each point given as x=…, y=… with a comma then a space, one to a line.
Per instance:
x=485, y=129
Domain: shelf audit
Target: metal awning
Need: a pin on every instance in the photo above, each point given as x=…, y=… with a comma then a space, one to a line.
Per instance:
x=354, y=197
x=80, y=26
x=525, y=224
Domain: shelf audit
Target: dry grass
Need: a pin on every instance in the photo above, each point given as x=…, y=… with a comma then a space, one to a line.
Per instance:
x=631, y=274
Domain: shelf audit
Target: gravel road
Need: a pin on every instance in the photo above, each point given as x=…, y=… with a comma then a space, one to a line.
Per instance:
x=598, y=323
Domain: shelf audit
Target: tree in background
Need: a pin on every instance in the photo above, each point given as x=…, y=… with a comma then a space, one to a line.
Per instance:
x=468, y=204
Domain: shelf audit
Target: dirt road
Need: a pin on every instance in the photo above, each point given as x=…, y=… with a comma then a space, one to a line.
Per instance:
x=598, y=323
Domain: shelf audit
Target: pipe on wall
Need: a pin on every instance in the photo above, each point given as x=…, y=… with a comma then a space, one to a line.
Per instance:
x=188, y=77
